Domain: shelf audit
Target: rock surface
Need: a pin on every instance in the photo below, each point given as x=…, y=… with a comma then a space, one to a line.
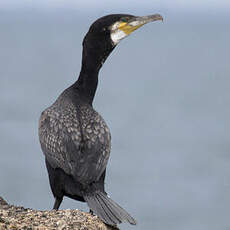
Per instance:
x=15, y=218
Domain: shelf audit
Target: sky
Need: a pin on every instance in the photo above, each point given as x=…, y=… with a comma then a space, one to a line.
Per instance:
x=180, y=106
x=176, y=4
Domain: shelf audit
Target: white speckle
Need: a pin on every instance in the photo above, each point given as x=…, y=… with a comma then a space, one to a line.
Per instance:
x=117, y=36
x=115, y=26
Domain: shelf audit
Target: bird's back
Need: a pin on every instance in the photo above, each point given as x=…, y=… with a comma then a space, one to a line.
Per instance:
x=75, y=138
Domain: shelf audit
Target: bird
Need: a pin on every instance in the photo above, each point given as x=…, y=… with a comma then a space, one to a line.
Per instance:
x=74, y=138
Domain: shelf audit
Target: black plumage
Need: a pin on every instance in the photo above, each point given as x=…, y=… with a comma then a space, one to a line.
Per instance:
x=74, y=138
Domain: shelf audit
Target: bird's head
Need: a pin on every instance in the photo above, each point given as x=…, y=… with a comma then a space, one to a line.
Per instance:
x=115, y=27
x=106, y=32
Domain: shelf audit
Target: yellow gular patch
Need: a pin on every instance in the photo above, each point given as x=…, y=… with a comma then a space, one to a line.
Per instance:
x=127, y=28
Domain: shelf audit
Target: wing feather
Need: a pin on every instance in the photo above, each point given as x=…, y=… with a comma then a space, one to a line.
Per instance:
x=77, y=142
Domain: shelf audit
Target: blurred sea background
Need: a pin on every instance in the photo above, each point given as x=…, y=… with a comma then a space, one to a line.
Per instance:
x=164, y=92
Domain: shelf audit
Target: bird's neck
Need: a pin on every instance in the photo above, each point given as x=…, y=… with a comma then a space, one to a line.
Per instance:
x=92, y=61
x=87, y=84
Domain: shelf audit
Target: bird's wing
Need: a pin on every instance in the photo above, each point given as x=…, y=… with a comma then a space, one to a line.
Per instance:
x=58, y=139
x=74, y=147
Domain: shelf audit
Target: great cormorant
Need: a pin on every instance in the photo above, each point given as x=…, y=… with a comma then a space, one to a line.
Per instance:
x=74, y=138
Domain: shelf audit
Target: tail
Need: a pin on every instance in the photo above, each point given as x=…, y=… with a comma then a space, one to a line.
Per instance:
x=106, y=209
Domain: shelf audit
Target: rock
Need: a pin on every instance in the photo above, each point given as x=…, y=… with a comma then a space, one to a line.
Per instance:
x=2, y=202
x=15, y=218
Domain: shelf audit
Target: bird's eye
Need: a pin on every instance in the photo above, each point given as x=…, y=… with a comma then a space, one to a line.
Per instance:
x=124, y=19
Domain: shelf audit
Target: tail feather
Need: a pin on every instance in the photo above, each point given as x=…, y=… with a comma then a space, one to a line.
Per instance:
x=98, y=209
x=114, y=216
x=107, y=210
x=118, y=211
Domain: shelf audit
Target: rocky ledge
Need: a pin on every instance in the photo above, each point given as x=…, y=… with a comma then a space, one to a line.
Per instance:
x=15, y=218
